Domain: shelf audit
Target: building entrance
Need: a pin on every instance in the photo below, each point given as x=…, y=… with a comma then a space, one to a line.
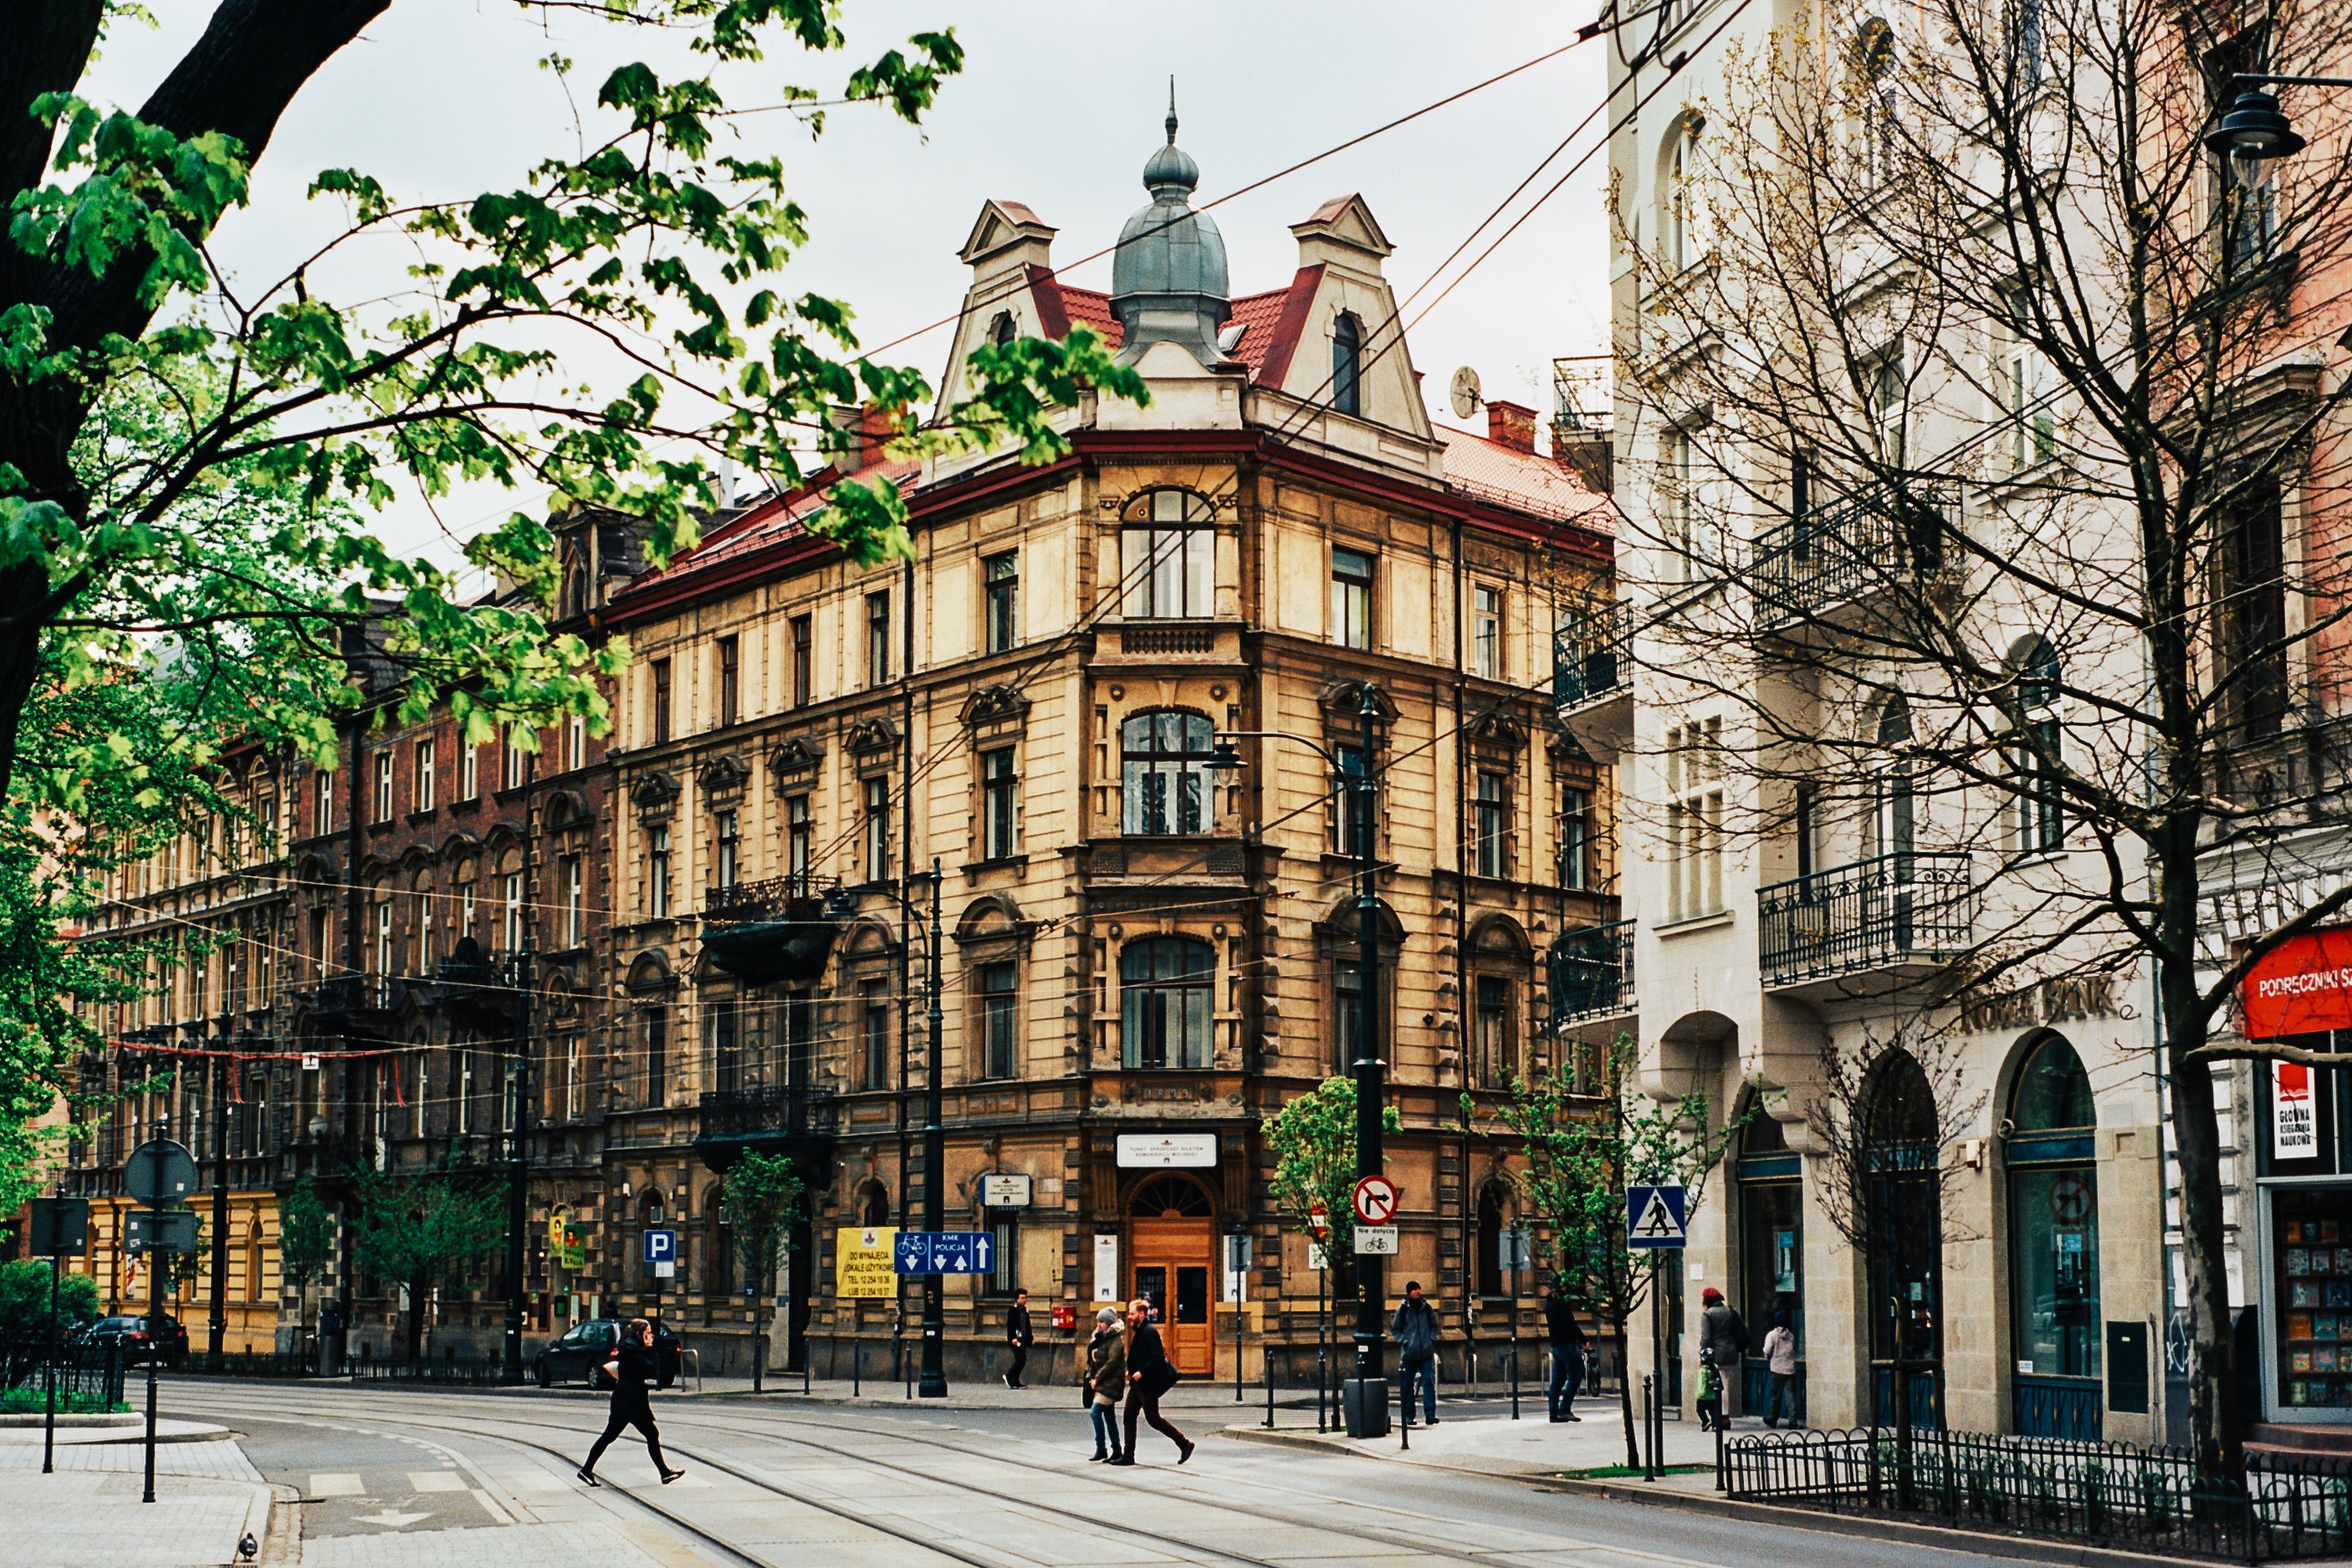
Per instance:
x=1172, y=1241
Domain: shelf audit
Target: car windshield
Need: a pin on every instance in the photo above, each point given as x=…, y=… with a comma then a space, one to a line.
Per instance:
x=118, y=1324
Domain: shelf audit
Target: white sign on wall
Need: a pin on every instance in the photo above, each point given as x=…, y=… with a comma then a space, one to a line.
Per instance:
x=2295, y=1115
x=1191, y=1151
x=1107, y=1269
x=1001, y=1191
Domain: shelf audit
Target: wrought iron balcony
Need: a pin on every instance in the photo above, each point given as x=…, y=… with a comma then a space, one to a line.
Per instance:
x=473, y=991
x=1870, y=926
x=767, y=933
x=1592, y=678
x=352, y=1000
x=1592, y=974
x=773, y=1119
x=1824, y=568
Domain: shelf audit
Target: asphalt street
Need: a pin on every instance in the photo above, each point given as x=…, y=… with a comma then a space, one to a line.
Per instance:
x=394, y=1477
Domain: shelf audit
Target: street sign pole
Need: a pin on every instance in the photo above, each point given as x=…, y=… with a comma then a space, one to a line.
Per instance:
x=155, y=1354
x=935, y=1376
x=49, y=1421
x=1366, y=1400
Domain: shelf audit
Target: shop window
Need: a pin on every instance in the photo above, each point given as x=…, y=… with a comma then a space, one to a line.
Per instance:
x=1167, y=1002
x=2053, y=1238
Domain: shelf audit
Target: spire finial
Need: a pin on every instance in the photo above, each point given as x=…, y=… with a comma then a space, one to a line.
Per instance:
x=1172, y=111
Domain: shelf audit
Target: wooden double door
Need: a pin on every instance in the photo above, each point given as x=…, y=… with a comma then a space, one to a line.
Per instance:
x=1174, y=1268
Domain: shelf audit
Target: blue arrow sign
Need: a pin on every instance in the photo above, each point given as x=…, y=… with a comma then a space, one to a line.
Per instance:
x=1653, y=1219
x=661, y=1246
x=944, y=1252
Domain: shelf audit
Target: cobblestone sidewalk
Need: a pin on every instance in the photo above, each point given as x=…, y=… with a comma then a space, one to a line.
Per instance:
x=91, y=1516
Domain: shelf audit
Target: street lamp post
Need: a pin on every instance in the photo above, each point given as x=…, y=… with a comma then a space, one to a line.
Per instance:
x=934, y=1384
x=519, y=1079
x=1365, y=1398
x=2254, y=129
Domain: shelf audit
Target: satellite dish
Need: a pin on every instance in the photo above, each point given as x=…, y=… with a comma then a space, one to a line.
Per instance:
x=1465, y=392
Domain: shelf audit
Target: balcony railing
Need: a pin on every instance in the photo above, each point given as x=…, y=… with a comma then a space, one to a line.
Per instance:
x=350, y=1001
x=1593, y=973
x=1852, y=548
x=795, y=895
x=1896, y=911
x=764, y=1109
x=1592, y=656
x=769, y=933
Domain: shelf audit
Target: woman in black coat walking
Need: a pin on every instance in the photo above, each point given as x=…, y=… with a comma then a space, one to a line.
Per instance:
x=631, y=1369
x=1150, y=1374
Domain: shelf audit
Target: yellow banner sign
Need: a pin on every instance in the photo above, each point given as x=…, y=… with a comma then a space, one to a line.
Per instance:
x=861, y=1262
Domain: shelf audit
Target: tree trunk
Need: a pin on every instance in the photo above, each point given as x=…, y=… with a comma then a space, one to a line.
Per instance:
x=1625, y=1393
x=415, y=1322
x=2219, y=1434
x=758, y=1347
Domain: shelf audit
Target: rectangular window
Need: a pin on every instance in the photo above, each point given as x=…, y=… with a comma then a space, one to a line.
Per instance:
x=1005, y=1265
x=575, y=743
x=999, y=1022
x=1351, y=599
x=575, y=1081
x=512, y=756
x=384, y=785
x=425, y=780
x=1678, y=508
x=1576, y=871
x=996, y=804
x=1003, y=575
x=726, y=1057
x=803, y=660
x=514, y=911
x=323, y=802
x=878, y=830
x=470, y=772
x=1348, y=1014
x=731, y=847
x=2030, y=425
x=466, y=909
x=657, y=1058
x=661, y=701
x=1807, y=817
x=422, y=923
x=873, y=1052
x=2252, y=526
x=1350, y=816
x=878, y=639
x=658, y=874
x=1486, y=631
x=799, y=833
x=464, y=1087
x=575, y=902
x=730, y=681
x=380, y=918
x=1490, y=818
x=1497, y=1045
x=1695, y=820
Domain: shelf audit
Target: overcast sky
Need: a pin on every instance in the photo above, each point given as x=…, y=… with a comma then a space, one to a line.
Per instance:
x=1059, y=105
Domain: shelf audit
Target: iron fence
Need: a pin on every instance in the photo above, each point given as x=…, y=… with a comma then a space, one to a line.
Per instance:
x=473, y=1372
x=91, y=1372
x=1593, y=973
x=1872, y=539
x=2285, y=1506
x=1591, y=655
x=1913, y=907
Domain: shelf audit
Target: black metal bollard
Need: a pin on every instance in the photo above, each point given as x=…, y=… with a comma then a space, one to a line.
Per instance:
x=1269, y=1393
x=1649, y=1433
x=857, y=1368
x=1404, y=1399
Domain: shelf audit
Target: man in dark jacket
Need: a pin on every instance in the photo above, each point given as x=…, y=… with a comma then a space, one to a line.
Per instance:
x=1565, y=1337
x=1018, y=1334
x=1150, y=1374
x=1415, y=1327
x=1722, y=1342
x=631, y=1369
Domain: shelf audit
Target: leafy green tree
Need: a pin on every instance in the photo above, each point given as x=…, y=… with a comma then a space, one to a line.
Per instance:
x=306, y=1240
x=1313, y=1140
x=763, y=1197
x=1582, y=1148
x=416, y=1230
x=25, y=1301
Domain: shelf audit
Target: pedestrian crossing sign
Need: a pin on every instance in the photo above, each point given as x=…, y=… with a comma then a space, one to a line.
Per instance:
x=1653, y=1218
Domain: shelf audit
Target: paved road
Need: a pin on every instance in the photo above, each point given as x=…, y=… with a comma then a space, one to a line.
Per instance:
x=393, y=1478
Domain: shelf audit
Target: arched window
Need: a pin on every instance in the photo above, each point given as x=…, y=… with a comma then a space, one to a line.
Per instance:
x=1346, y=366
x=1167, y=997
x=1168, y=550
x=1171, y=1197
x=1894, y=807
x=2038, y=824
x=1002, y=330
x=1881, y=126
x=875, y=1210
x=2053, y=1241
x=1673, y=196
x=1165, y=779
x=1491, y=1275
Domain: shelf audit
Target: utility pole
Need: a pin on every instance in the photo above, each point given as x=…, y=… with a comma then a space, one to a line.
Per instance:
x=518, y=1076
x=217, y=1325
x=1367, y=1403
x=935, y=1377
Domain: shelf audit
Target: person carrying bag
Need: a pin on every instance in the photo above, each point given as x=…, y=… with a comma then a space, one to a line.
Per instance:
x=631, y=1369
x=1150, y=1374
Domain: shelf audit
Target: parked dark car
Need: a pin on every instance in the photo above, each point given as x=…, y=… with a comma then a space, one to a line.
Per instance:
x=582, y=1353
x=140, y=1337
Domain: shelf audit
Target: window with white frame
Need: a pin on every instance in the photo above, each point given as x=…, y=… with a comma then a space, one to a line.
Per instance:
x=2028, y=424
x=2037, y=817
x=1000, y=1020
x=379, y=920
x=878, y=830
x=730, y=836
x=511, y=759
x=1490, y=825
x=1893, y=816
x=1166, y=784
x=469, y=771
x=1168, y=550
x=575, y=743
x=1577, y=872
x=1486, y=631
x=515, y=912
x=424, y=779
x=575, y=902
x=384, y=785
x=996, y=784
x=1695, y=820
x=657, y=874
x=323, y=801
x=1351, y=598
x=1887, y=405
x=799, y=835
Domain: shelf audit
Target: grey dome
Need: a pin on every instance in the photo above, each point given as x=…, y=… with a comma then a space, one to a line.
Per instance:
x=1168, y=277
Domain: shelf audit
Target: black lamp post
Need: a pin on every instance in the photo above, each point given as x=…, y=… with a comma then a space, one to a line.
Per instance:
x=2254, y=129
x=1365, y=1400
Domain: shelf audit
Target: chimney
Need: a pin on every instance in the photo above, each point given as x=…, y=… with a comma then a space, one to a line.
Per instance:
x=1584, y=451
x=857, y=435
x=1511, y=425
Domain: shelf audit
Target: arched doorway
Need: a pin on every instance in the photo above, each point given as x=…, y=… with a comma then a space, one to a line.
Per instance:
x=2053, y=1245
x=1491, y=1279
x=1172, y=1245
x=1902, y=1200
x=1771, y=1261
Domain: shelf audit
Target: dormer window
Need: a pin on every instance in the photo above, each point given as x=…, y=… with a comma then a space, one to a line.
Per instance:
x=1168, y=551
x=1347, y=369
x=1001, y=331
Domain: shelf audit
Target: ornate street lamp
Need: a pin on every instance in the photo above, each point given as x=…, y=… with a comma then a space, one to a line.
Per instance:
x=2255, y=128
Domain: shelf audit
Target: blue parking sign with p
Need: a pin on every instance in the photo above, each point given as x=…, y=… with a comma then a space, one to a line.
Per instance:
x=1654, y=1218
x=661, y=1246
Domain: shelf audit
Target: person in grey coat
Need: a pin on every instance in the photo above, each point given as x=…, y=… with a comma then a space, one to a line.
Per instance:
x=1415, y=1327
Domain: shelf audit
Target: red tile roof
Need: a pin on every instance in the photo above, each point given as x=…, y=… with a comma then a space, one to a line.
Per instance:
x=768, y=522
x=1060, y=306
x=1504, y=476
